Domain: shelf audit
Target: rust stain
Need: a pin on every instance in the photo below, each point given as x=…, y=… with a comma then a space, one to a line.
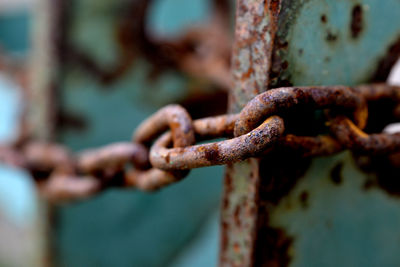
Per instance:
x=224, y=237
x=324, y=18
x=212, y=154
x=272, y=245
x=228, y=186
x=247, y=74
x=273, y=6
x=353, y=138
x=357, y=23
x=236, y=248
x=330, y=37
x=218, y=153
x=68, y=120
x=304, y=199
x=236, y=216
x=280, y=180
x=276, y=251
x=336, y=174
x=386, y=173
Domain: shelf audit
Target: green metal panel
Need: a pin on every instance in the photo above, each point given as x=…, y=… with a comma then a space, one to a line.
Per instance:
x=336, y=216
x=284, y=210
x=335, y=42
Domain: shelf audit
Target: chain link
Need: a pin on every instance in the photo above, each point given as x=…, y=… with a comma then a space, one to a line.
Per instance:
x=158, y=157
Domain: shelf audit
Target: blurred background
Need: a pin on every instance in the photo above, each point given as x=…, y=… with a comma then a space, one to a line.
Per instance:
x=86, y=73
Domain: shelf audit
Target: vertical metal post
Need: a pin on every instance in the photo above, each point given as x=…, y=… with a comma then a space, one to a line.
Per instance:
x=242, y=217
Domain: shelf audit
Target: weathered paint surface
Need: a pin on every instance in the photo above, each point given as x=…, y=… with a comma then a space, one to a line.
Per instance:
x=285, y=210
x=336, y=215
x=331, y=42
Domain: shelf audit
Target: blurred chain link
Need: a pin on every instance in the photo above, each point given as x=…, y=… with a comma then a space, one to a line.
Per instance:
x=163, y=147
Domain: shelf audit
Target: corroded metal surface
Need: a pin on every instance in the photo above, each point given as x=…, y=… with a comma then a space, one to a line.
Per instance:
x=254, y=35
x=223, y=152
x=355, y=139
x=174, y=116
x=113, y=155
x=280, y=100
x=295, y=43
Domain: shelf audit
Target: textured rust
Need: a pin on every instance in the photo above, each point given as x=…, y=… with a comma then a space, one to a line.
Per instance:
x=113, y=157
x=251, y=50
x=379, y=91
x=336, y=174
x=218, y=153
x=382, y=102
x=212, y=154
x=353, y=138
x=357, y=23
x=324, y=18
x=173, y=116
x=182, y=135
x=276, y=101
x=214, y=127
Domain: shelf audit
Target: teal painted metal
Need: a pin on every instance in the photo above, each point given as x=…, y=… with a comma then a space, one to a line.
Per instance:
x=10, y=23
x=334, y=218
x=334, y=42
x=285, y=210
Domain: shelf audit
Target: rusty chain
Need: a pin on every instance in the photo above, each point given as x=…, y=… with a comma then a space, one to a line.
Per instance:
x=158, y=157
